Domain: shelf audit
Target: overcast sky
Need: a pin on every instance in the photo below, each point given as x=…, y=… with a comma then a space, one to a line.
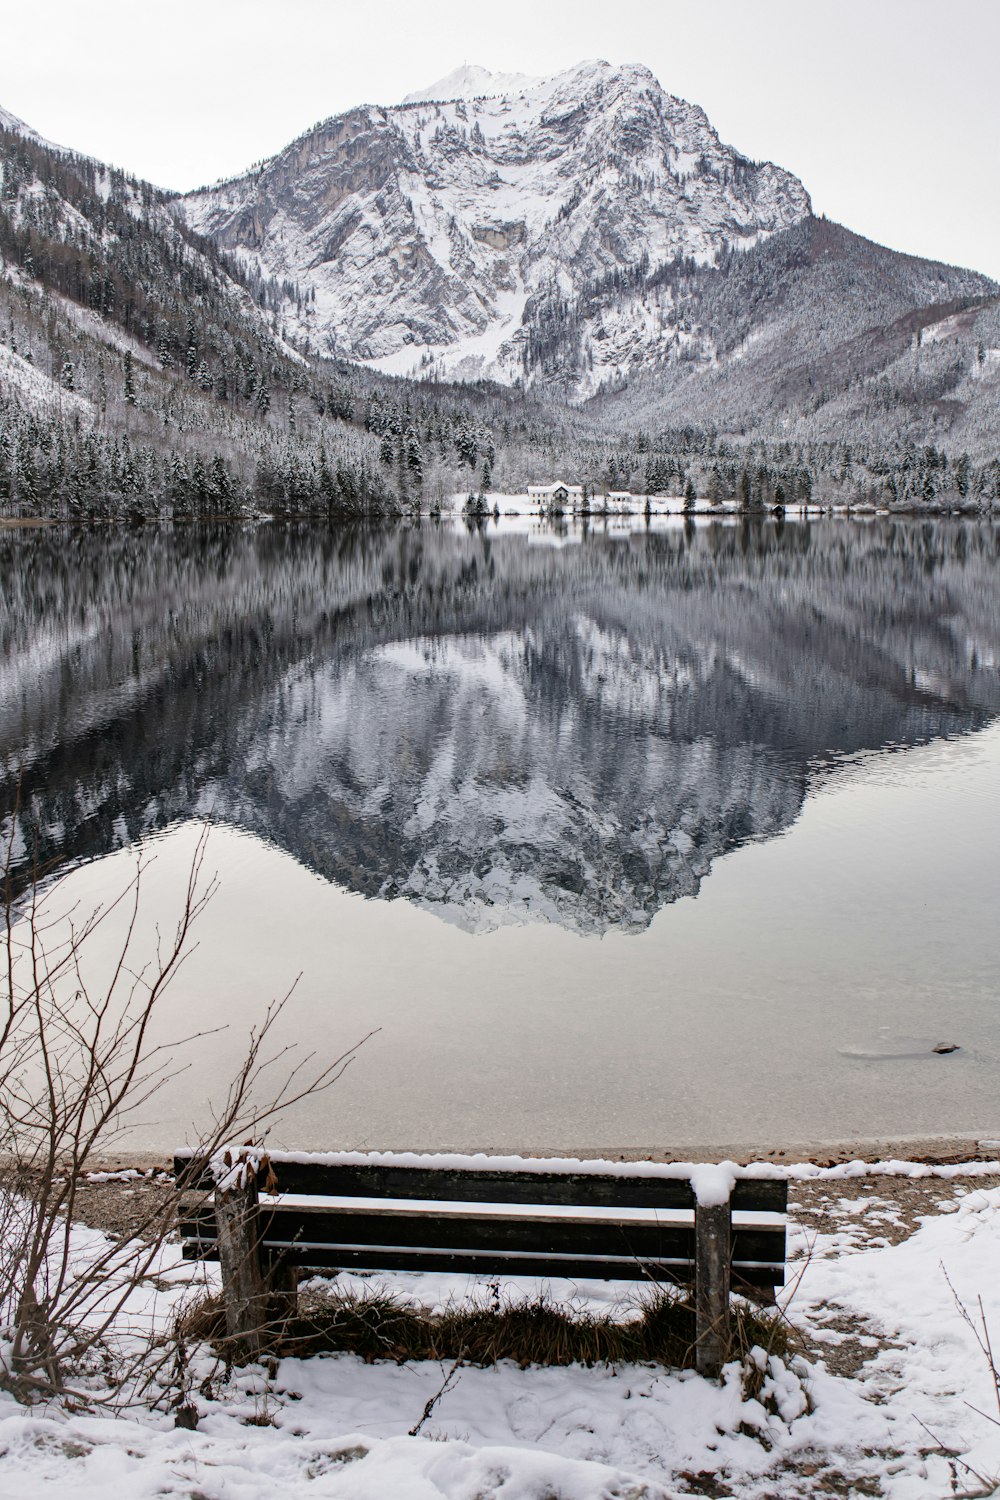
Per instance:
x=889, y=110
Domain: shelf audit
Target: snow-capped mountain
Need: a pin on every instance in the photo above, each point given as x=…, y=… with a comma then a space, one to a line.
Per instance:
x=444, y=233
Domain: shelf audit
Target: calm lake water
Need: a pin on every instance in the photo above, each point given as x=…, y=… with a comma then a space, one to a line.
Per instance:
x=625, y=840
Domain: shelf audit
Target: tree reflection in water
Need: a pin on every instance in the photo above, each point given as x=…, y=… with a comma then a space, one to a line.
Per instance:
x=496, y=729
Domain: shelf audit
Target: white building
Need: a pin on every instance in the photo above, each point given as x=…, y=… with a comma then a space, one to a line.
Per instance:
x=556, y=494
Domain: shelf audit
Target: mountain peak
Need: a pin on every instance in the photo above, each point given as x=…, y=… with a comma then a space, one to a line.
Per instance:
x=471, y=81
x=489, y=190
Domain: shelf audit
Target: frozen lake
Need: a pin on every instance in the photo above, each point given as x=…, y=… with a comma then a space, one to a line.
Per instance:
x=647, y=839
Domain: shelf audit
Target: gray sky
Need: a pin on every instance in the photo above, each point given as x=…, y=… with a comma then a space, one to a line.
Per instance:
x=889, y=110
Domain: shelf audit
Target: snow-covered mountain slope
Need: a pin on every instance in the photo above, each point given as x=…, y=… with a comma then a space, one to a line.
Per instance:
x=37, y=389
x=18, y=127
x=11, y=122
x=437, y=235
x=119, y=323
x=110, y=257
x=470, y=81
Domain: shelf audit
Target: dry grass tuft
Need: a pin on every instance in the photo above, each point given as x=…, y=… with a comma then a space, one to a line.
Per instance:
x=375, y=1324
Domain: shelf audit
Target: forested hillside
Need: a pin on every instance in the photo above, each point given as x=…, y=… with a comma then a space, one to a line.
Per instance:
x=141, y=369
x=818, y=333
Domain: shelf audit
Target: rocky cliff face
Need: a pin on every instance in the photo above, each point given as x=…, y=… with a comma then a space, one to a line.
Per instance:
x=443, y=235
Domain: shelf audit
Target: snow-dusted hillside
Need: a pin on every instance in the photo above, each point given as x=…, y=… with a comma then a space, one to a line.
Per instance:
x=435, y=235
x=36, y=389
x=816, y=332
x=18, y=127
x=11, y=122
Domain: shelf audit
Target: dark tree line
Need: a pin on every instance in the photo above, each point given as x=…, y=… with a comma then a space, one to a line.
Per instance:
x=57, y=468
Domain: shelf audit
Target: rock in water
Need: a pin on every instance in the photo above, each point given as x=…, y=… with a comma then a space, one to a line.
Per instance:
x=882, y=1048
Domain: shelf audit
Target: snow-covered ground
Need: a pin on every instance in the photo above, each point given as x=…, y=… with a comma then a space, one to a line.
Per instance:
x=917, y=1416
x=37, y=388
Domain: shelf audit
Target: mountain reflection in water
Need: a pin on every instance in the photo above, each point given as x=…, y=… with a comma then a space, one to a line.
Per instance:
x=492, y=729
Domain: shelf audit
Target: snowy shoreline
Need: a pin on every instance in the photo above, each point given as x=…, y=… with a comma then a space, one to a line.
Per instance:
x=889, y=1395
x=663, y=515
x=977, y=1152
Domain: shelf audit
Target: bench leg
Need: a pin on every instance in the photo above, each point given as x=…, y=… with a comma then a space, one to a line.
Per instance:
x=712, y=1231
x=244, y=1287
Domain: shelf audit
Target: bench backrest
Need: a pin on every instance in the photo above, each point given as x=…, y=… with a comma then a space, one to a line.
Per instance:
x=625, y=1223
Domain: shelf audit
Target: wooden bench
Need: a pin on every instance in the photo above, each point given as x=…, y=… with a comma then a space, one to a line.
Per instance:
x=267, y=1217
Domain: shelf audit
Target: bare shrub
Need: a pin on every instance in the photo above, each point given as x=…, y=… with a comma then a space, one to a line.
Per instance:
x=76, y=1063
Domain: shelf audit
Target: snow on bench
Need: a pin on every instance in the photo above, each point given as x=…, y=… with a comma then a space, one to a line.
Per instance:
x=268, y=1216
